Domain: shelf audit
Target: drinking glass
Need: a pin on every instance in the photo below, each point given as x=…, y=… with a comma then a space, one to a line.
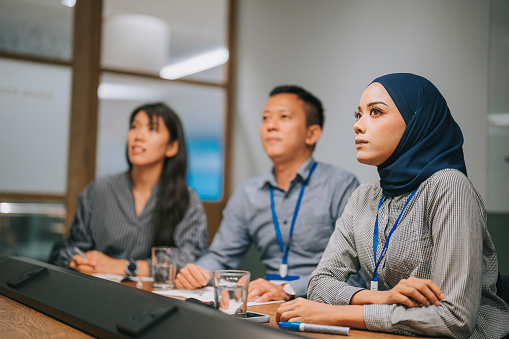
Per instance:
x=163, y=268
x=230, y=291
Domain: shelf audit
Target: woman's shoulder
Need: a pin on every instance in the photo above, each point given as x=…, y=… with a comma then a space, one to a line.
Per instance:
x=112, y=181
x=368, y=189
x=193, y=196
x=447, y=179
x=109, y=184
x=450, y=182
x=366, y=194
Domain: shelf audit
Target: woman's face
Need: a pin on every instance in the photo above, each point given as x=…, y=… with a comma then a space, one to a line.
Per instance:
x=148, y=141
x=379, y=126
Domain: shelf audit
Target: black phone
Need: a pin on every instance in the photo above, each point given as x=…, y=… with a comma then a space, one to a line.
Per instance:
x=257, y=317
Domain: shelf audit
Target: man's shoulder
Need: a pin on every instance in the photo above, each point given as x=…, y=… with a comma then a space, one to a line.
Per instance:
x=334, y=171
x=252, y=185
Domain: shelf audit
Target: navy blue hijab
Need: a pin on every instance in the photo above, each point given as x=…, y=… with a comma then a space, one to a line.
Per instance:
x=432, y=140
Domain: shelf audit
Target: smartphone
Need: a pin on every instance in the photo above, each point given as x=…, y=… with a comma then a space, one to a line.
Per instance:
x=257, y=317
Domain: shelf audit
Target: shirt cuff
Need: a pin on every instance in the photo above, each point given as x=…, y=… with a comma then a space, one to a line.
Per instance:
x=300, y=286
x=377, y=317
x=345, y=295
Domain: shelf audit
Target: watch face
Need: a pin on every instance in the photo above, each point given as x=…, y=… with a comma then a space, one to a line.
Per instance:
x=132, y=267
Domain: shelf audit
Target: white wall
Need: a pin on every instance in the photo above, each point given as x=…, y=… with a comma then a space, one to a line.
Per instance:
x=334, y=48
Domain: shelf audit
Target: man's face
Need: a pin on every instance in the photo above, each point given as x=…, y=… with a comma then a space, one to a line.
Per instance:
x=283, y=130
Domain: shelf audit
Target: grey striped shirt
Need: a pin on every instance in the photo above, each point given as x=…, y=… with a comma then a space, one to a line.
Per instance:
x=106, y=221
x=441, y=236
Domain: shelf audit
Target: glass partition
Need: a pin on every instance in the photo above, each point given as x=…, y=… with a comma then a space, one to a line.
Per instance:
x=42, y=28
x=172, y=38
x=498, y=115
x=34, y=130
x=30, y=229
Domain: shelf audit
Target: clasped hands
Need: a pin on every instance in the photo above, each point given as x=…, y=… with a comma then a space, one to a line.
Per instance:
x=97, y=262
x=192, y=277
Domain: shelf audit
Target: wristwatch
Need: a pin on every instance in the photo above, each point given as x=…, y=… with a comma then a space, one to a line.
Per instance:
x=131, y=267
x=289, y=290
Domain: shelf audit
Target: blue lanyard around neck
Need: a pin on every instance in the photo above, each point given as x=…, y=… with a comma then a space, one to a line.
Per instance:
x=375, y=233
x=296, y=211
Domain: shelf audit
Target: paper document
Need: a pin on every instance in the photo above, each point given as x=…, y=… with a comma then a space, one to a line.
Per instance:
x=119, y=278
x=204, y=294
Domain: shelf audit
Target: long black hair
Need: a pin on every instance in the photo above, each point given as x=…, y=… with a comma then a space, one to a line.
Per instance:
x=173, y=199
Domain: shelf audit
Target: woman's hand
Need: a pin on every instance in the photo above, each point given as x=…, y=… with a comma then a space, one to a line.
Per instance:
x=307, y=311
x=97, y=262
x=82, y=265
x=414, y=292
x=410, y=292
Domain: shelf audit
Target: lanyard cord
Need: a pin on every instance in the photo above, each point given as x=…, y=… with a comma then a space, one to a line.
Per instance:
x=296, y=211
x=375, y=233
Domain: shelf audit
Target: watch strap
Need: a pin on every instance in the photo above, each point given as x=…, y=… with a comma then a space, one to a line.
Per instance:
x=289, y=290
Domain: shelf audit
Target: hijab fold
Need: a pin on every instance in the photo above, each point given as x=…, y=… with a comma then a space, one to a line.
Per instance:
x=432, y=140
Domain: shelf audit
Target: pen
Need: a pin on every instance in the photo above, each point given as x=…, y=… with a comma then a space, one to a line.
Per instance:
x=304, y=327
x=80, y=252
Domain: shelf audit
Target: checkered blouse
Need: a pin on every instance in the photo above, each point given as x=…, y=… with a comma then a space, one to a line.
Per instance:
x=441, y=236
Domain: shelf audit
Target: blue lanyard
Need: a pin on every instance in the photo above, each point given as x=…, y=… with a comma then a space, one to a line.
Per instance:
x=375, y=234
x=276, y=223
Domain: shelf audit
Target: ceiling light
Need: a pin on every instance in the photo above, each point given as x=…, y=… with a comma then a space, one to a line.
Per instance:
x=195, y=64
x=68, y=3
x=114, y=91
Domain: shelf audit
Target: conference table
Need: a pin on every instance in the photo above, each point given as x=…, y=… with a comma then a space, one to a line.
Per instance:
x=20, y=321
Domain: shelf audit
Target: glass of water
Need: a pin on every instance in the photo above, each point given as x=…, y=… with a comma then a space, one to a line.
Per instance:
x=230, y=291
x=163, y=268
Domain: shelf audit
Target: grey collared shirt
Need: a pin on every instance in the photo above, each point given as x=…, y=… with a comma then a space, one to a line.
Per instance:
x=247, y=219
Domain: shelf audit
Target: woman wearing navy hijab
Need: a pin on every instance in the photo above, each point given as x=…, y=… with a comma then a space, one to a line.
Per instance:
x=419, y=234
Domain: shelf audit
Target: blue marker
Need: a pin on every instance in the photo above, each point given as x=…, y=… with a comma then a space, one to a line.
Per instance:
x=304, y=327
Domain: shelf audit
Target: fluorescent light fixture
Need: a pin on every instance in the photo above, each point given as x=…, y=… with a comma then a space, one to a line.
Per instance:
x=68, y=3
x=5, y=207
x=114, y=91
x=195, y=64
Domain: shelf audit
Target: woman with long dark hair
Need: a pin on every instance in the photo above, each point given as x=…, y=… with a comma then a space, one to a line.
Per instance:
x=120, y=217
x=419, y=234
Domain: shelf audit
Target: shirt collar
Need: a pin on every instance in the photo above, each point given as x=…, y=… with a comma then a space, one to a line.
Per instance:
x=268, y=179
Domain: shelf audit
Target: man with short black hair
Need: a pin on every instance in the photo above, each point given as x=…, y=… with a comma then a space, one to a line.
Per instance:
x=289, y=213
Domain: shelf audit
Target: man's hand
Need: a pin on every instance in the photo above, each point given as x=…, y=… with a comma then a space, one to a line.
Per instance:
x=192, y=277
x=266, y=291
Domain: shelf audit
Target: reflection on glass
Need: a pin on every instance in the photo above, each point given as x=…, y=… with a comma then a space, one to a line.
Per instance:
x=34, y=131
x=42, y=28
x=498, y=118
x=30, y=229
x=147, y=36
x=201, y=109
